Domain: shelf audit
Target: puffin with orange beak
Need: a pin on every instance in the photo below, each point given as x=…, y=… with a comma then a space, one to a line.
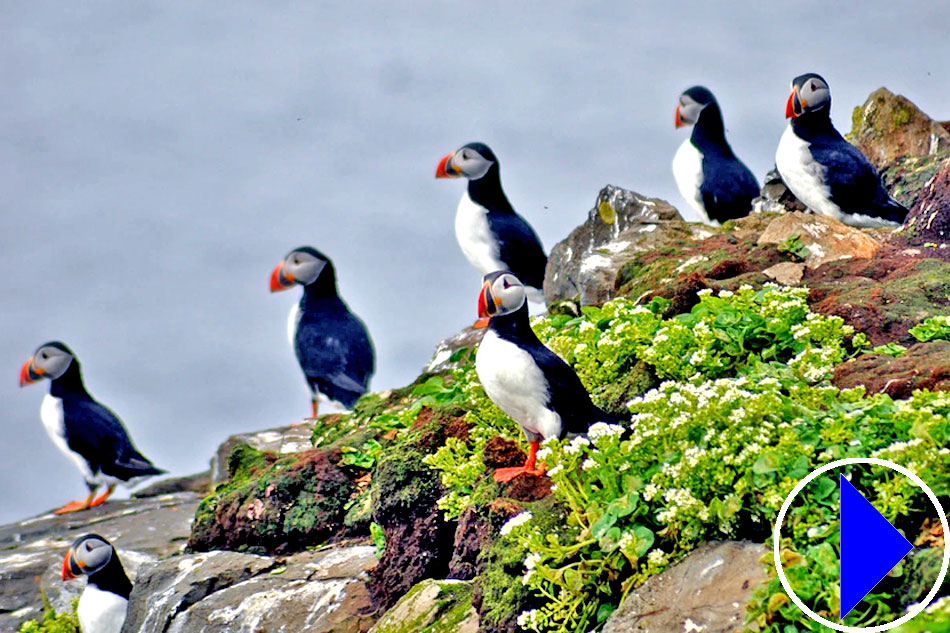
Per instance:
x=105, y=599
x=828, y=174
x=88, y=433
x=712, y=179
x=491, y=235
x=524, y=378
x=331, y=343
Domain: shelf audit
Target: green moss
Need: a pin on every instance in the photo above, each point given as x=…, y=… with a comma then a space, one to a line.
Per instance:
x=857, y=119
x=451, y=607
x=903, y=114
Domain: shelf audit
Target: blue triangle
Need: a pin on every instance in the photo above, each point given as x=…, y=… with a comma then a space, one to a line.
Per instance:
x=870, y=547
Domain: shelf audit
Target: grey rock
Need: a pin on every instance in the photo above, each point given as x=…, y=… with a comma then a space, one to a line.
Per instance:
x=281, y=440
x=443, y=606
x=584, y=266
x=217, y=592
x=441, y=358
x=707, y=592
x=199, y=483
x=776, y=196
x=31, y=551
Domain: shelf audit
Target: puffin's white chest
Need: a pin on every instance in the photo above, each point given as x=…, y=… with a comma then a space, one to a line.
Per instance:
x=292, y=320
x=688, y=172
x=804, y=175
x=515, y=383
x=475, y=237
x=101, y=611
x=51, y=413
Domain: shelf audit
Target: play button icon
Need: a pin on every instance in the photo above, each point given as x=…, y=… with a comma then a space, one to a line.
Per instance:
x=870, y=547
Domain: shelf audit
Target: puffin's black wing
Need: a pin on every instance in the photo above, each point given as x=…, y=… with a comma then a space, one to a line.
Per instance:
x=335, y=354
x=569, y=398
x=854, y=183
x=519, y=247
x=98, y=435
x=728, y=188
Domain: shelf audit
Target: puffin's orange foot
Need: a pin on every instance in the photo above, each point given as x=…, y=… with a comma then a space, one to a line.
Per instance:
x=74, y=506
x=504, y=475
x=481, y=323
x=98, y=501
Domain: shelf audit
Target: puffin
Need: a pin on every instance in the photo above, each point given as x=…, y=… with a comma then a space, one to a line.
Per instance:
x=331, y=343
x=105, y=599
x=491, y=234
x=828, y=174
x=709, y=175
x=88, y=433
x=524, y=378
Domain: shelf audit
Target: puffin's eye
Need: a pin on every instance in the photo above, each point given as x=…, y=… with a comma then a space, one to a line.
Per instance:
x=296, y=261
x=464, y=155
x=507, y=285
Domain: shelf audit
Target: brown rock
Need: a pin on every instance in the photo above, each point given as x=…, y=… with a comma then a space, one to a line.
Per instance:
x=889, y=126
x=922, y=366
x=282, y=441
x=474, y=533
x=929, y=218
x=706, y=591
x=827, y=239
x=787, y=273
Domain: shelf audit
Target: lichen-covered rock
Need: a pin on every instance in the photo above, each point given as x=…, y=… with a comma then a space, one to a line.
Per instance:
x=922, y=366
x=432, y=606
x=929, y=218
x=280, y=441
x=274, y=504
x=584, y=266
x=889, y=126
x=776, y=197
x=706, y=591
x=229, y=592
x=31, y=551
x=826, y=238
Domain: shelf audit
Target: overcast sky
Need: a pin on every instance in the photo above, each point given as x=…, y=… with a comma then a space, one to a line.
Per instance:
x=157, y=159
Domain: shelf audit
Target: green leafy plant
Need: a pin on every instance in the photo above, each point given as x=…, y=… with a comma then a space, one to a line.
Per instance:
x=363, y=457
x=934, y=328
x=890, y=349
x=794, y=247
x=51, y=621
x=379, y=539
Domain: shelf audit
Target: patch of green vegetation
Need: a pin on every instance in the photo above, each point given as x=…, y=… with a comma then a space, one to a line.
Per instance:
x=450, y=608
x=379, y=538
x=890, y=349
x=903, y=114
x=934, y=328
x=795, y=248
x=51, y=621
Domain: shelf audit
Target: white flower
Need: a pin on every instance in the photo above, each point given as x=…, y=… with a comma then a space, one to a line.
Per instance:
x=575, y=446
x=528, y=619
x=586, y=325
x=530, y=562
x=704, y=292
x=588, y=464
x=656, y=557
x=515, y=521
x=725, y=293
x=602, y=429
x=555, y=470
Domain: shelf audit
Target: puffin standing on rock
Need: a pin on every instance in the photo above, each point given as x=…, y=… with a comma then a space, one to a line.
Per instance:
x=88, y=433
x=492, y=236
x=105, y=599
x=524, y=378
x=715, y=183
x=331, y=343
x=828, y=174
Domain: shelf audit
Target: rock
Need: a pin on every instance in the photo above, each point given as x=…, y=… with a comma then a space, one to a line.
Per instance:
x=219, y=592
x=282, y=441
x=889, y=126
x=922, y=366
x=776, y=197
x=929, y=218
x=826, y=239
x=585, y=264
x=31, y=551
x=442, y=356
x=786, y=273
x=275, y=504
x=432, y=606
x=707, y=591
x=199, y=483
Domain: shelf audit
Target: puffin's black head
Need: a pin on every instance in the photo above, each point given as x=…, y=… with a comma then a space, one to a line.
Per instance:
x=50, y=360
x=302, y=266
x=810, y=92
x=471, y=161
x=87, y=555
x=502, y=293
x=692, y=102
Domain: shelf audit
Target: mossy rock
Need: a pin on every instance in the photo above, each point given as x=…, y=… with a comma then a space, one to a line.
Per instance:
x=432, y=606
x=274, y=504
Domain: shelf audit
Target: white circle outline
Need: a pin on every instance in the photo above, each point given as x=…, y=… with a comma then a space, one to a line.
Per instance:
x=777, y=533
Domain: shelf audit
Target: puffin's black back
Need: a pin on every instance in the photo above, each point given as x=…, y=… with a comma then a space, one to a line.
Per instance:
x=332, y=345
x=569, y=398
x=519, y=247
x=728, y=186
x=854, y=182
x=95, y=432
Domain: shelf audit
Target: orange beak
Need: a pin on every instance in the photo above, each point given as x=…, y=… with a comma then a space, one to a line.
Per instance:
x=279, y=280
x=790, y=106
x=484, y=297
x=67, y=566
x=679, y=120
x=29, y=374
x=446, y=168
